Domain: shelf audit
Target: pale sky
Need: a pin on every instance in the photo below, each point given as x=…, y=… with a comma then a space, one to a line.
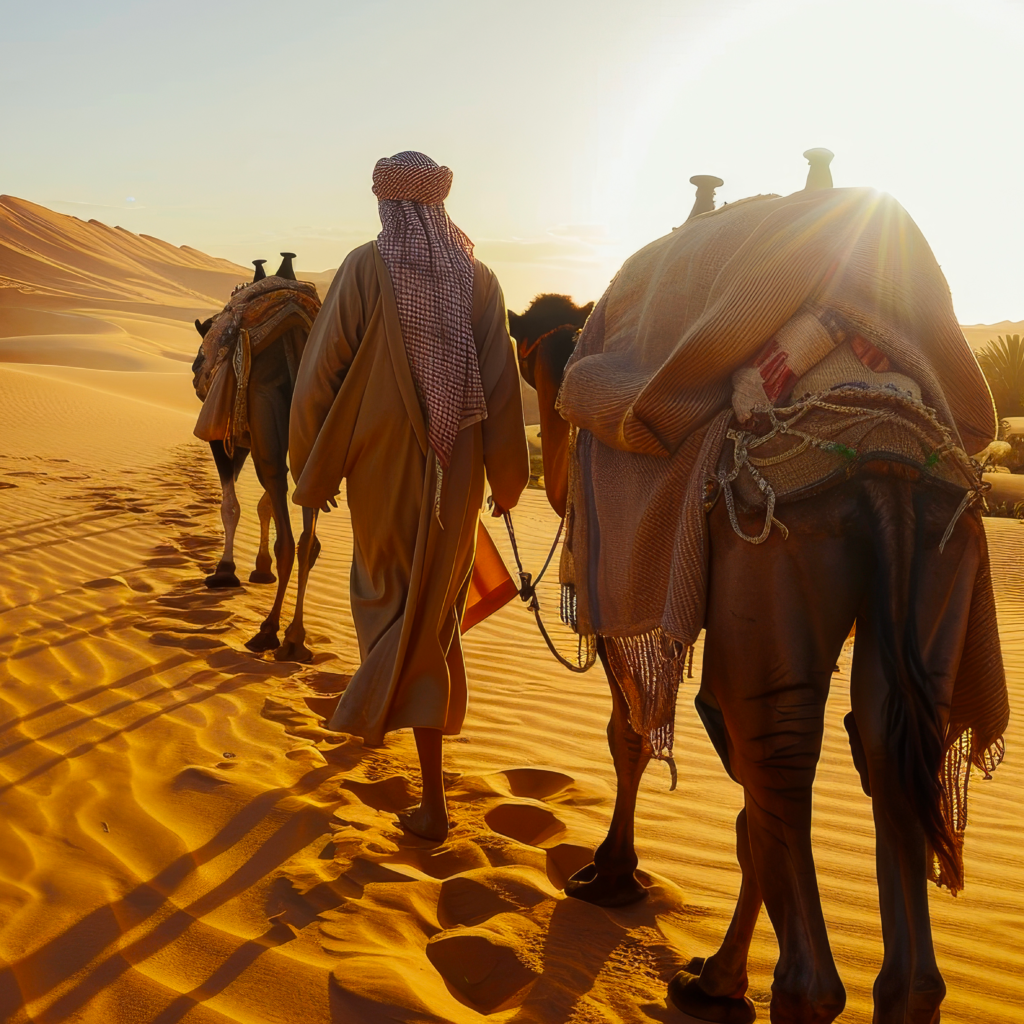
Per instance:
x=571, y=126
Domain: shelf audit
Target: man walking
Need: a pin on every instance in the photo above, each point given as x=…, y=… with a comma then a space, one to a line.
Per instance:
x=409, y=390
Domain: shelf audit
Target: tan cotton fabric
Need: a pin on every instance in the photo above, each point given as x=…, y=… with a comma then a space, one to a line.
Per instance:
x=650, y=384
x=356, y=416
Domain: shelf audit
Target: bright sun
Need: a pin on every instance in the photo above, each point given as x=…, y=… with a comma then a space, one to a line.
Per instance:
x=919, y=98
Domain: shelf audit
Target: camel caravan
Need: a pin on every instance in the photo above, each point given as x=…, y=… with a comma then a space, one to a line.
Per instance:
x=762, y=431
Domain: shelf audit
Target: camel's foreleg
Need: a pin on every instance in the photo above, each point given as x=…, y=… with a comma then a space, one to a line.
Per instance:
x=262, y=573
x=294, y=647
x=715, y=988
x=611, y=880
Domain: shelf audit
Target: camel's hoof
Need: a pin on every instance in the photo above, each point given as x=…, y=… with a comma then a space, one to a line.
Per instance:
x=264, y=640
x=222, y=580
x=414, y=822
x=685, y=993
x=605, y=890
x=262, y=577
x=292, y=651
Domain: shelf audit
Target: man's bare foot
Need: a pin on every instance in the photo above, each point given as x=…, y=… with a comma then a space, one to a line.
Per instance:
x=425, y=825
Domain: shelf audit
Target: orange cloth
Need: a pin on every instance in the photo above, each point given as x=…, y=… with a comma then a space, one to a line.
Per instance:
x=490, y=587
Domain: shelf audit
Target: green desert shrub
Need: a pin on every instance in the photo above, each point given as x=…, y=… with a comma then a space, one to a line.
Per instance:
x=1002, y=362
x=1004, y=510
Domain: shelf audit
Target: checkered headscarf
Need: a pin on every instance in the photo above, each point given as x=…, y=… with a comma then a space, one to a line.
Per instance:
x=431, y=266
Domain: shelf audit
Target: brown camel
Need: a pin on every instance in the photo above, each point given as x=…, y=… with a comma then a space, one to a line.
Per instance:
x=869, y=550
x=545, y=335
x=546, y=313
x=268, y=396
x=228, y=469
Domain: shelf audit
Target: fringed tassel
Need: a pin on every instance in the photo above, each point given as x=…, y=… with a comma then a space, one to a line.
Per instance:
x=955, y=774
x=649, y=669
x=567, y=609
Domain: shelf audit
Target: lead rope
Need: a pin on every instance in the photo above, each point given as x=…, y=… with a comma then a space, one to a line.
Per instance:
x=528, y=593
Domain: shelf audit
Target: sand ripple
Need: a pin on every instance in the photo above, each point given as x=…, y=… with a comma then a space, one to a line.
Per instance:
x=181, y=839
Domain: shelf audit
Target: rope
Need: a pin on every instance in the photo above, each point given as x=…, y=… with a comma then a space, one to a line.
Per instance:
x=744, y=441
x=528, y=593
x=525, y=351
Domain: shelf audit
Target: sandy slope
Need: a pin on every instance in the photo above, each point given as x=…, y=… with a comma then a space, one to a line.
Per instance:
x=979, y=335
x=181, y=841
x=82, y=294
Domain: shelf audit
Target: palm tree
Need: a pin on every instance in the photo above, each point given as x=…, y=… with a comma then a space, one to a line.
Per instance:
x=1002, y=362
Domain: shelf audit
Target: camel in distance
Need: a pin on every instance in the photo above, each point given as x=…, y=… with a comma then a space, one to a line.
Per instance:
x=265, y=337
x=545, y=336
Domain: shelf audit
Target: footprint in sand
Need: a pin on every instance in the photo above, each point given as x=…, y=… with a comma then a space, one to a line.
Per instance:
x=190, y=642
x=492, y=967
x=526, y=823
x=390, y=794
x=195, y=620
x=537, y=783
x=475, y=897
x=200, y=778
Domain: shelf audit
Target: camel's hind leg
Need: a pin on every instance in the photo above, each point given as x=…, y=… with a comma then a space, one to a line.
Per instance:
x=611, y=880
x=262, y=573
x=294, y=647
x=715, y=988
x=777, y=616
x=275, y=480
x=269, y=401
x=228, y=468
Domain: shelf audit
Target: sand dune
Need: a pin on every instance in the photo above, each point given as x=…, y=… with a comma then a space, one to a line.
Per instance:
x=82, y=294
x=52, y=260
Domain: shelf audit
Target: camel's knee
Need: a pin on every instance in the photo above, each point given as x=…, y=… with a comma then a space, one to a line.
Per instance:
x=284, y=546
x=860, y=758
x=229, y=507
x=903, y=995
x=780, y=782
x=309, y=547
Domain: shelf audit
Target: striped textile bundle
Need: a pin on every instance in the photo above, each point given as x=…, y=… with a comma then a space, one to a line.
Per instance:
x=258, y=308
x=255, y=317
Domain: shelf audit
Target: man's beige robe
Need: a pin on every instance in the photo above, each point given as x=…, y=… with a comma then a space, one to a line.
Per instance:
x=356, y=416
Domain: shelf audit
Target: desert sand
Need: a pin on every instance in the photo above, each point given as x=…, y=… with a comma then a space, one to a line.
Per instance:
x=182, y=841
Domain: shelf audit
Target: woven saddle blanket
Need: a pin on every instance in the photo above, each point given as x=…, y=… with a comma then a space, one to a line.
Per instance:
x=254, y=318
x=719, y=319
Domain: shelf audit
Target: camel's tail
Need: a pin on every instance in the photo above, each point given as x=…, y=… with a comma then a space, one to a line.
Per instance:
x=913, y=725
